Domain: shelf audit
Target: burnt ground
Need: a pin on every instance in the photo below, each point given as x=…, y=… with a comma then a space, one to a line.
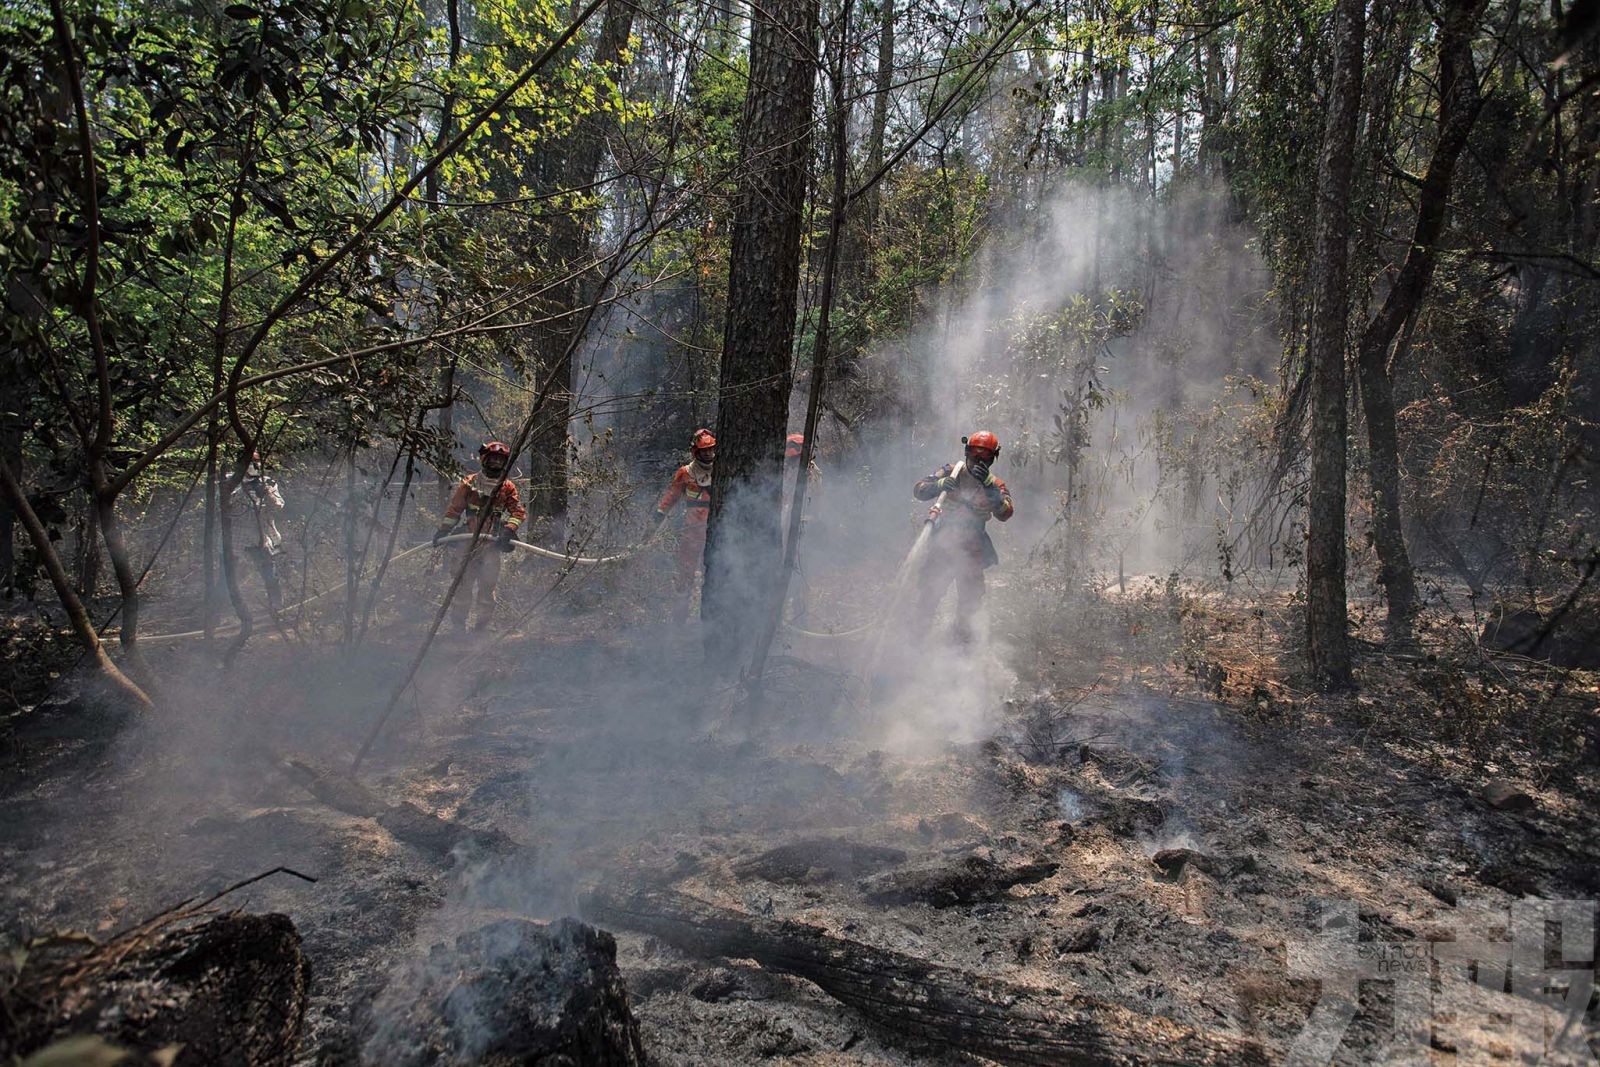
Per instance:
x=585, y=750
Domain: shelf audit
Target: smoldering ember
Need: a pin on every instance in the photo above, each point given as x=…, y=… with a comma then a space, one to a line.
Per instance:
x=820, y=532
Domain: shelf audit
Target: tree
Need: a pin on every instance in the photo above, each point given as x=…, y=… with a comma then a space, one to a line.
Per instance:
x=1327, y=614
x=756, y=375
x=1459, y=105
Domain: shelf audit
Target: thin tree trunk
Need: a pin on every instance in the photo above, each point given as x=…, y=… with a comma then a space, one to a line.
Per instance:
x=447, y=360
x=208, y=536
x=117, y=683
x=127, y=585
x=230, y=573
x=87, y=568
x=819, y=361
x=1327, y=613
x=394, y=530
x=11, y=453
x=883, y=80
x=351, y=573
x=569, y=244
x=744, y=539
x=1458, y=111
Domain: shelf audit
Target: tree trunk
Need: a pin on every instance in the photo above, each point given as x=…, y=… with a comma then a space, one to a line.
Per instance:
x=1327, y=613
x=208, y=535
x=744, y=538
x=117, y=683
x=1458, y=110
x=880, y=118
x=995, y=1019
x=127, y=585
x=11, y=453
x=569, y=252
x=838, y=130
x=352, y=571
x=447, y=358
x=86, y=531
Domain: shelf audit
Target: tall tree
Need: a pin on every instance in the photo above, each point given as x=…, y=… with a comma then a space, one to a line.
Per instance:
x=744, y=538
x=1459, y=105
x=576, y=160
x=1327, y=615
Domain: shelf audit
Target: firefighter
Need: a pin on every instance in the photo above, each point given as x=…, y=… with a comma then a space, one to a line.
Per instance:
x=261, y=495
x=498, y=520
x=961, y=549
x=691, y=483
x=792, y=447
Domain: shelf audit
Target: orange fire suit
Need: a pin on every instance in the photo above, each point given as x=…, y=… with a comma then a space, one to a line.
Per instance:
x=691, y=483
x=961, y=549
x=471, y=501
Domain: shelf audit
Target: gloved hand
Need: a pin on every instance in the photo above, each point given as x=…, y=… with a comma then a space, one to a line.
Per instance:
x=655, y=523
x=979, y=470
x=503, y=539
x=441, y=533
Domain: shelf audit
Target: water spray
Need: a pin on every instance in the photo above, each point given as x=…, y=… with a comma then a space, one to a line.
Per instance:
x=908, y=567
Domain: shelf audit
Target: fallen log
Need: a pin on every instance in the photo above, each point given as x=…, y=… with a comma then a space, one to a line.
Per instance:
x=818, y=859
x=429, y=832
x=405, y=821
x=335, y=790
x=972, y=880
x=1007, y=1023
x=229, y=990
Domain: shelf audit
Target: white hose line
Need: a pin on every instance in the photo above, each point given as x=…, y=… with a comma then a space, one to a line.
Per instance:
x=587, y=561
x=232, y=628
x=792, y=628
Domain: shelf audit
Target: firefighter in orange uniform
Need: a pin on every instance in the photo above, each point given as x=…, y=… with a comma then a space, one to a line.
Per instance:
x=961, y=548
x=498, y=522
x=691, y=483
x=792, y=447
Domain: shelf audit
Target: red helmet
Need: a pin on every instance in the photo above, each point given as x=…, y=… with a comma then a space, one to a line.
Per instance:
x=701, y=440
x=793, y=444
x=494, y=457
x=983, y=441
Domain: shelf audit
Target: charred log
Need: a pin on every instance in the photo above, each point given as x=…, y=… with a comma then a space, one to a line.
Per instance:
x=229, y=990
x=971, y=880
x=818, y=860
x=429, y=832
x=1007, y=1023
x=406, y=821
x=1569, y=640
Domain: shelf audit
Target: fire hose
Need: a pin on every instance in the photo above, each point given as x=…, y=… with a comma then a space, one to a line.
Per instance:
x=545, y=553
x=521, y=546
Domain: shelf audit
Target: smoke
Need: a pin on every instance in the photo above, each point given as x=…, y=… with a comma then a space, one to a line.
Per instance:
x=1115, y=344
x=1090, y=335
x=1110, y=339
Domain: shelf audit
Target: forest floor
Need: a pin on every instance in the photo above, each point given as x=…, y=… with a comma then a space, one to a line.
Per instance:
x=595, y=749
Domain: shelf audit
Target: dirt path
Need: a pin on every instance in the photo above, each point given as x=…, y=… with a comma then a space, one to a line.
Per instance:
x=610, y=757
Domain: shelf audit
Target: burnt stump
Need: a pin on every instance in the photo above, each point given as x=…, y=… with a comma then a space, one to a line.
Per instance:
x=231, y=989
